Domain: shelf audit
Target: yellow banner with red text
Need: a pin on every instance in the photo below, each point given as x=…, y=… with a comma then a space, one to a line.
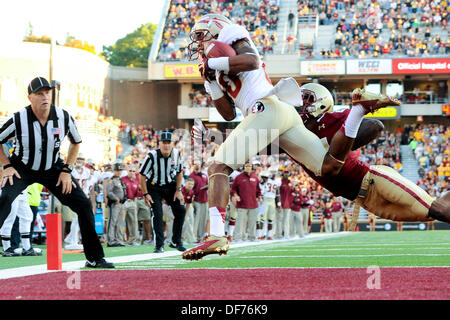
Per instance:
x=175, y=71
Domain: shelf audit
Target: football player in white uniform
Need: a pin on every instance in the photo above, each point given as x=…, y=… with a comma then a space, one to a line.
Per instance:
x=271, y=195
x=241, y=81
x=19, y=208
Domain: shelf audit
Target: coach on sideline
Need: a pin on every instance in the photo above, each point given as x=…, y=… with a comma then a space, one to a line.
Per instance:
x=38, y=130
x=160, y=178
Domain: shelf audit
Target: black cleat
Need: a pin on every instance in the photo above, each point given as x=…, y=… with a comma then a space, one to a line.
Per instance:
x=32, y=252
x=101, y=264
x=10, y=253
x=159, y=250
x=179, y=247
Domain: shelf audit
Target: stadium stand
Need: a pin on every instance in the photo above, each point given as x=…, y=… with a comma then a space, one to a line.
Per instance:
x=323, y=29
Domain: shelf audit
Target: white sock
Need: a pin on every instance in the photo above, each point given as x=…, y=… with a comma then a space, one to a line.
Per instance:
x=26, y=241
x=270, y=233
x=6, y=242
x=230, y=230
x=217, y=221
x=353, y=121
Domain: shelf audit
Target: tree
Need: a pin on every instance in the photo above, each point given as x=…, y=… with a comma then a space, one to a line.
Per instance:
x=71, y=41
x=133, y=49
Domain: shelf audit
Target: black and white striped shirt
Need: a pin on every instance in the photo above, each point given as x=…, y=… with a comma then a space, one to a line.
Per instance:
x=159, y=170
x=37, y=146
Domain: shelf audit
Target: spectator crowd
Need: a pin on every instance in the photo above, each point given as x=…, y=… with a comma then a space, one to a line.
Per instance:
x=259, y=17
x=364, y=28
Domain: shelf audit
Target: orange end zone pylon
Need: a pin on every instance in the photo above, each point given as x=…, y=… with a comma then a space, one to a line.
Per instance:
x=54, y=241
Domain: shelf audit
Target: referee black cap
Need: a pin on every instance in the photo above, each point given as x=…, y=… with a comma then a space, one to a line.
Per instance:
x=37, y=84
x=166, y=136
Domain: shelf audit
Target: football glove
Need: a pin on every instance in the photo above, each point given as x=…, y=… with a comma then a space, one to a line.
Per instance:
x=206, y=72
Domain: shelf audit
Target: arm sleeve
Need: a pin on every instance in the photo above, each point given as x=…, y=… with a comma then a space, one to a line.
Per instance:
x=7, y=130
x=232, y=33
x=146, y=166
x=180, y=162
x=73, y=134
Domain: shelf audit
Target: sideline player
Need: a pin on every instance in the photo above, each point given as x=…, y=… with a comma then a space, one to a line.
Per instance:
x=271, y=194
x=241, y=81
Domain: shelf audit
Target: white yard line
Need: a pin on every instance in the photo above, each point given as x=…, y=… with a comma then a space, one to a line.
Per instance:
x=77, y=265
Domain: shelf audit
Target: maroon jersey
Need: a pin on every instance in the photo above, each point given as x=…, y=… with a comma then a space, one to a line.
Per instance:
x=286, y=193
x=348, y=182
x=247, y=188
x=188, y=195
x=336, y=206
x=327, y=213
x=200, y=186
x=296, y=201
x=132, y=187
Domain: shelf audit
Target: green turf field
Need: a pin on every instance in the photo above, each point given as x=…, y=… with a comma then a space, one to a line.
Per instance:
x=360, y=249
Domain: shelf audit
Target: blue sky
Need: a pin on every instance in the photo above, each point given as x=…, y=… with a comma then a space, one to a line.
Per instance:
x=99, y=22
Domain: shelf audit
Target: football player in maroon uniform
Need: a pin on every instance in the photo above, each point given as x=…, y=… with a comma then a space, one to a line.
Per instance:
x=377, y=188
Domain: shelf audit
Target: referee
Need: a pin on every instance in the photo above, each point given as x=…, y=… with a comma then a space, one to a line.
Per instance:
x=39, y=130
x=160, y=179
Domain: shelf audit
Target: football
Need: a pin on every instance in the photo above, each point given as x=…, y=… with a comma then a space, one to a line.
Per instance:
x=217, y=49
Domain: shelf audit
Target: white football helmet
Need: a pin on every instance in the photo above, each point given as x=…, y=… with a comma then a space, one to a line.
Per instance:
x=317, y=100
x=207, y=28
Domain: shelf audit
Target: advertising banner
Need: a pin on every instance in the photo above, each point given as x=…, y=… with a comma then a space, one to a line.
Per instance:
x=412, y=66
x=322, y=67
x=175, y=71
x=369, y=66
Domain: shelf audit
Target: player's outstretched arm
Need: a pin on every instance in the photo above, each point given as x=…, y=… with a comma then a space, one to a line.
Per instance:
x=369, y=130
x=245, y=60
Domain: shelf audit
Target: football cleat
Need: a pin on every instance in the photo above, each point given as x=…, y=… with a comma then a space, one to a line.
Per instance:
x=10, y=253
x=32, y=252
x=101, y=264
x=372, y=102
x=213, y=244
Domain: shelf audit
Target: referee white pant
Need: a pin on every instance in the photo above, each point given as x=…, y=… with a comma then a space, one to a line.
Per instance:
x=19, y=208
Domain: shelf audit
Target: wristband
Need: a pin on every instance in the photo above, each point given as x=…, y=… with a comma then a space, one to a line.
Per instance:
x=179, y=189
x=146, y=194
x=221, y=64
x=6, y=166
x=214, y=90
x=66, y=171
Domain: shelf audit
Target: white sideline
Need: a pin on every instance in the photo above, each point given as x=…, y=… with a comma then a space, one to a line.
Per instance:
x=77, y=265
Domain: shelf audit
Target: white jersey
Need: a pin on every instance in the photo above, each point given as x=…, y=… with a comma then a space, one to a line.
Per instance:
x=248, y=86
x=81, y=177
x=93, y=179
x=270, y=188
